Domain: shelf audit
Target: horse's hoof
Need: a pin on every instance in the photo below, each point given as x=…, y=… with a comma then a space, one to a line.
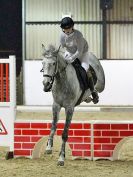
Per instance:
x=60, y=163
x=48, y=151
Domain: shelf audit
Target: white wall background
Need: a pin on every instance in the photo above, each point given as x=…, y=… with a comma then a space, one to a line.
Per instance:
x=118, y=88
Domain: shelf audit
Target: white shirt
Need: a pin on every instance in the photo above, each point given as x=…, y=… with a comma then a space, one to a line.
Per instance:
x=74, y=43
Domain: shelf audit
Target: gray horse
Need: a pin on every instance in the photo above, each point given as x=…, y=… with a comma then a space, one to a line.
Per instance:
x=61, y=78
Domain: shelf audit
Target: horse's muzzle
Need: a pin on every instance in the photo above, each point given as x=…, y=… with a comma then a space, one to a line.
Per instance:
x=47, y=87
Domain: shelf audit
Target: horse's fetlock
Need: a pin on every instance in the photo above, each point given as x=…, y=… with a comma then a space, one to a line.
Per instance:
x=50, y=142
x=62, y=154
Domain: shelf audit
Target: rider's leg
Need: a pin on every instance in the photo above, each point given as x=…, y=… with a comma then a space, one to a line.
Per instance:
x=91, y=83
x=93, y=91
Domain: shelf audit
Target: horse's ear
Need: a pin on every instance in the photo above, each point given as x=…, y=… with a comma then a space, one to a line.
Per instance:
x=56, y=51
x=43, y=50
x=43, y=47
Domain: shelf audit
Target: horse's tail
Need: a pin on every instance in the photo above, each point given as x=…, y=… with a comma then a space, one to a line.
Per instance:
x=97, y=67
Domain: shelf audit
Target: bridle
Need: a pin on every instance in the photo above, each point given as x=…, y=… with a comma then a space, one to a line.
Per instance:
x=52, y=77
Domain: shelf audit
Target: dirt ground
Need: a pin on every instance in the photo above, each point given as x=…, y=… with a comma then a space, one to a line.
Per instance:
x=46, y=166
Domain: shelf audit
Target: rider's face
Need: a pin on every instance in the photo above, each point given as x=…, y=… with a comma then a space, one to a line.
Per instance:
x=68, y=31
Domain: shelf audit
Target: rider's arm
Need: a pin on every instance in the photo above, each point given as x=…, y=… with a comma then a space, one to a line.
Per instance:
x=79, y=51
x=81, y=44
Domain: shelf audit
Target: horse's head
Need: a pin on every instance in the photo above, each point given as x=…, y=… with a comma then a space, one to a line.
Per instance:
x=50, y=66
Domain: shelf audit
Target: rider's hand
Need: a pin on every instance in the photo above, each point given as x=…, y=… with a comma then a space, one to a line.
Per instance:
x=69, y=60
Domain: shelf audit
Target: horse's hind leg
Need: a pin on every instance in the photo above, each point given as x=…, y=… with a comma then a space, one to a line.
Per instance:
x=56, y=109
x=69, y=113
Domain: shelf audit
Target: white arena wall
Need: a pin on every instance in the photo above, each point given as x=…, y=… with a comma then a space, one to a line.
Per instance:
x=118, y=88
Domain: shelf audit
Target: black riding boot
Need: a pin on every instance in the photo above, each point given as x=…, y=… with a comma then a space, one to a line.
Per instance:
x=95, y=97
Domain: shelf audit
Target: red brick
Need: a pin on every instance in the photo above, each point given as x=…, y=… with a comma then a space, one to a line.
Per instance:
x=75, y=139
x=28, y=145
x=70, y=133
x=17, y=132
x=101, y=126
x=131, y=126
x=115, y=140
x=35, y=139
x=97, y=133
x=82, y=133
x=97, y=146
x=76, y=126
x=60, y=126
x=44, y=132
x=101, y=140
x=22, y=125
x=22, y=152
x=39, y=125
x=102, y=154
x=49, y=125
x=21, y=139
x=87, y=139
x=59, y=132
x=87, y=126
x=82, y=146
x=119, y=126
x=108, y=147
x=77, y=153
x=72, y=126
x=86, y=153
x=17, y=145
x=71, y=146
x=110, y=133
x=29, y=132
x=126, y=133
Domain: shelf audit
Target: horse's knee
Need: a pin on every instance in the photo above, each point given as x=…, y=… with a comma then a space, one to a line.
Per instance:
x=56, y=107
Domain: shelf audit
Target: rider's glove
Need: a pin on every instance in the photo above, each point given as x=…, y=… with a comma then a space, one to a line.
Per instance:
x=69, y=60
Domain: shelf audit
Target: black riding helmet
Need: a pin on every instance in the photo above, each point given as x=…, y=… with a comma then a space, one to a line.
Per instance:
x=66, y=23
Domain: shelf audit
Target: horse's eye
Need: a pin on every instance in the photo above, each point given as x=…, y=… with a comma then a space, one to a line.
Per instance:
x=53, y=64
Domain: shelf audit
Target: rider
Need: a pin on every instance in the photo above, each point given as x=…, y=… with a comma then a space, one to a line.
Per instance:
x=76, y=47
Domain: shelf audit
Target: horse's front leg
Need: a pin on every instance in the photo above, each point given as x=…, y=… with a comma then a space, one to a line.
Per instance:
x=69, y=113
x=55, y=109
